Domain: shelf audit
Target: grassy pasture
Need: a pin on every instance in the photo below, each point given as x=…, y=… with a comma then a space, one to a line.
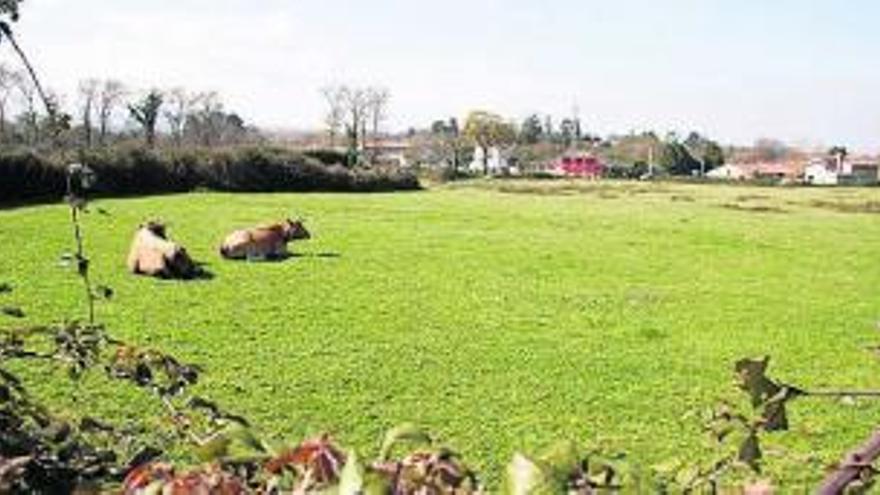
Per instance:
x=499, y=315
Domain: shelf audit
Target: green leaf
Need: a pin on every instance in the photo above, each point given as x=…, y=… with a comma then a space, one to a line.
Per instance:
x=750, y=452
x=233, y=442
x=376, y=484
x=525, y=476
x=351, y=480
x=217, y=447
x=406, y=432
x=563, y=458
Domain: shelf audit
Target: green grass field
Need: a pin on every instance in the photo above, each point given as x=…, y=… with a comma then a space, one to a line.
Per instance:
x=499, y=315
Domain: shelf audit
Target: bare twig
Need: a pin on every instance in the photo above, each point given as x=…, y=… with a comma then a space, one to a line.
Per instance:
x=856, y=464
x=7, y=31
x=82, y=263
x=843, y=393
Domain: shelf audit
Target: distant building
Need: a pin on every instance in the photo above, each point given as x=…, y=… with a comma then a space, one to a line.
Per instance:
x=494, y=162
x=388, y=151
x=821, y=173
x=781, y=171
x=728, y=172
x=581, y=165
x=778, y=171
x=864, y=172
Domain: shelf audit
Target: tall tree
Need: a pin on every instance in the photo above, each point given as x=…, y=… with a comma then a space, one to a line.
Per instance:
x=531, y=130
x=549, y=131
x=838, y=154
x=486, y=130
x=356, y=104
x=207, y=120
x=568, y=132
x=28, y=93
x=707, y=152
x=109, y=98
x=7, y=87
x=88, y=94
x=178, y=105
x=377, y=103
x=146, y=113
x=448, y=142
x=677, y=159
x=333, y=119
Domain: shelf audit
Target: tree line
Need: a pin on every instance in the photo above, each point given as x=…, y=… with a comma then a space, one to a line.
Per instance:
x=107, y=111
x=537, y=141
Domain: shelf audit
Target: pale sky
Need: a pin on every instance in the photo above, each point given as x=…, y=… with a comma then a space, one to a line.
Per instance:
x=803, y=71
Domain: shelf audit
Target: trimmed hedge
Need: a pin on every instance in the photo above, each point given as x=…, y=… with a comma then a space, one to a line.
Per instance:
x=133, y=171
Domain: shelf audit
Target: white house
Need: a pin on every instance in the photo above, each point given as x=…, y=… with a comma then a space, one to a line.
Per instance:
x=496, y=163
x=389, y=151
x=728, y=172
x=820, y=173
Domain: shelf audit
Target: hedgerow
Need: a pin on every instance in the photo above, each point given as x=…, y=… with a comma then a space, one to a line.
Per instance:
x=25, y=175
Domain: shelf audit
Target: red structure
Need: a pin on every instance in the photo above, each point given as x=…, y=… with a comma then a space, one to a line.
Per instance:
x=581, y=166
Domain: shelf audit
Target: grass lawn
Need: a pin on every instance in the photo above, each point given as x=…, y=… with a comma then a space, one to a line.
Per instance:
x=499, y=315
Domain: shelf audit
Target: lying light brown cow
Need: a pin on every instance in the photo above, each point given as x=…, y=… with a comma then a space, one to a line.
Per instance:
x=154, y=255
x=267, y=242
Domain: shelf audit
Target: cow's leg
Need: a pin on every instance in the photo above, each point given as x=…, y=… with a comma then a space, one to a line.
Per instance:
x=252, y=253
x=280, y=251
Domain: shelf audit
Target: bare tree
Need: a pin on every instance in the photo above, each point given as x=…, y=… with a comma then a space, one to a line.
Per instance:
x=355, y=106
x=109, y=99
x=7, y=86
x=28, y=93
x=88, y=95
x=334, y=96
x=206, y=122
x=377, y=103
x=179, y=103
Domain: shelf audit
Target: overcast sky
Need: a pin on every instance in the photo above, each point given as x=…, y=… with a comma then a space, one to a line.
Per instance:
x=800, y=70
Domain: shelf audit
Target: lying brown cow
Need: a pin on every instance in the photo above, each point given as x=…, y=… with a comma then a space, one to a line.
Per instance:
x=267, y=242
x=154, y=255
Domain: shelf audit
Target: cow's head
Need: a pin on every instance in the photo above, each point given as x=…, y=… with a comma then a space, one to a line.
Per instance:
x=295, y=230
x=156, y=227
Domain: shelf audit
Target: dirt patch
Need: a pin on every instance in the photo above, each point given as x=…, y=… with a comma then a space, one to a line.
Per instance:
x=754, y=209
x=751, y=197
x=843, y=207
x=549, y=190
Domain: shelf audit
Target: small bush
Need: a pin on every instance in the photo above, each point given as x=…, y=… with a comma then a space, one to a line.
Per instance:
x=328, y=157
x=134, y=171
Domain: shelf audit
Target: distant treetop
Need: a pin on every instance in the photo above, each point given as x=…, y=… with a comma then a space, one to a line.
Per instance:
x=10, y=8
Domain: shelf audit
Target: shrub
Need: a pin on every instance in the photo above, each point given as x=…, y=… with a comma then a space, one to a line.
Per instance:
x=134, y=170
x=328, y=157
x=25, y=175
